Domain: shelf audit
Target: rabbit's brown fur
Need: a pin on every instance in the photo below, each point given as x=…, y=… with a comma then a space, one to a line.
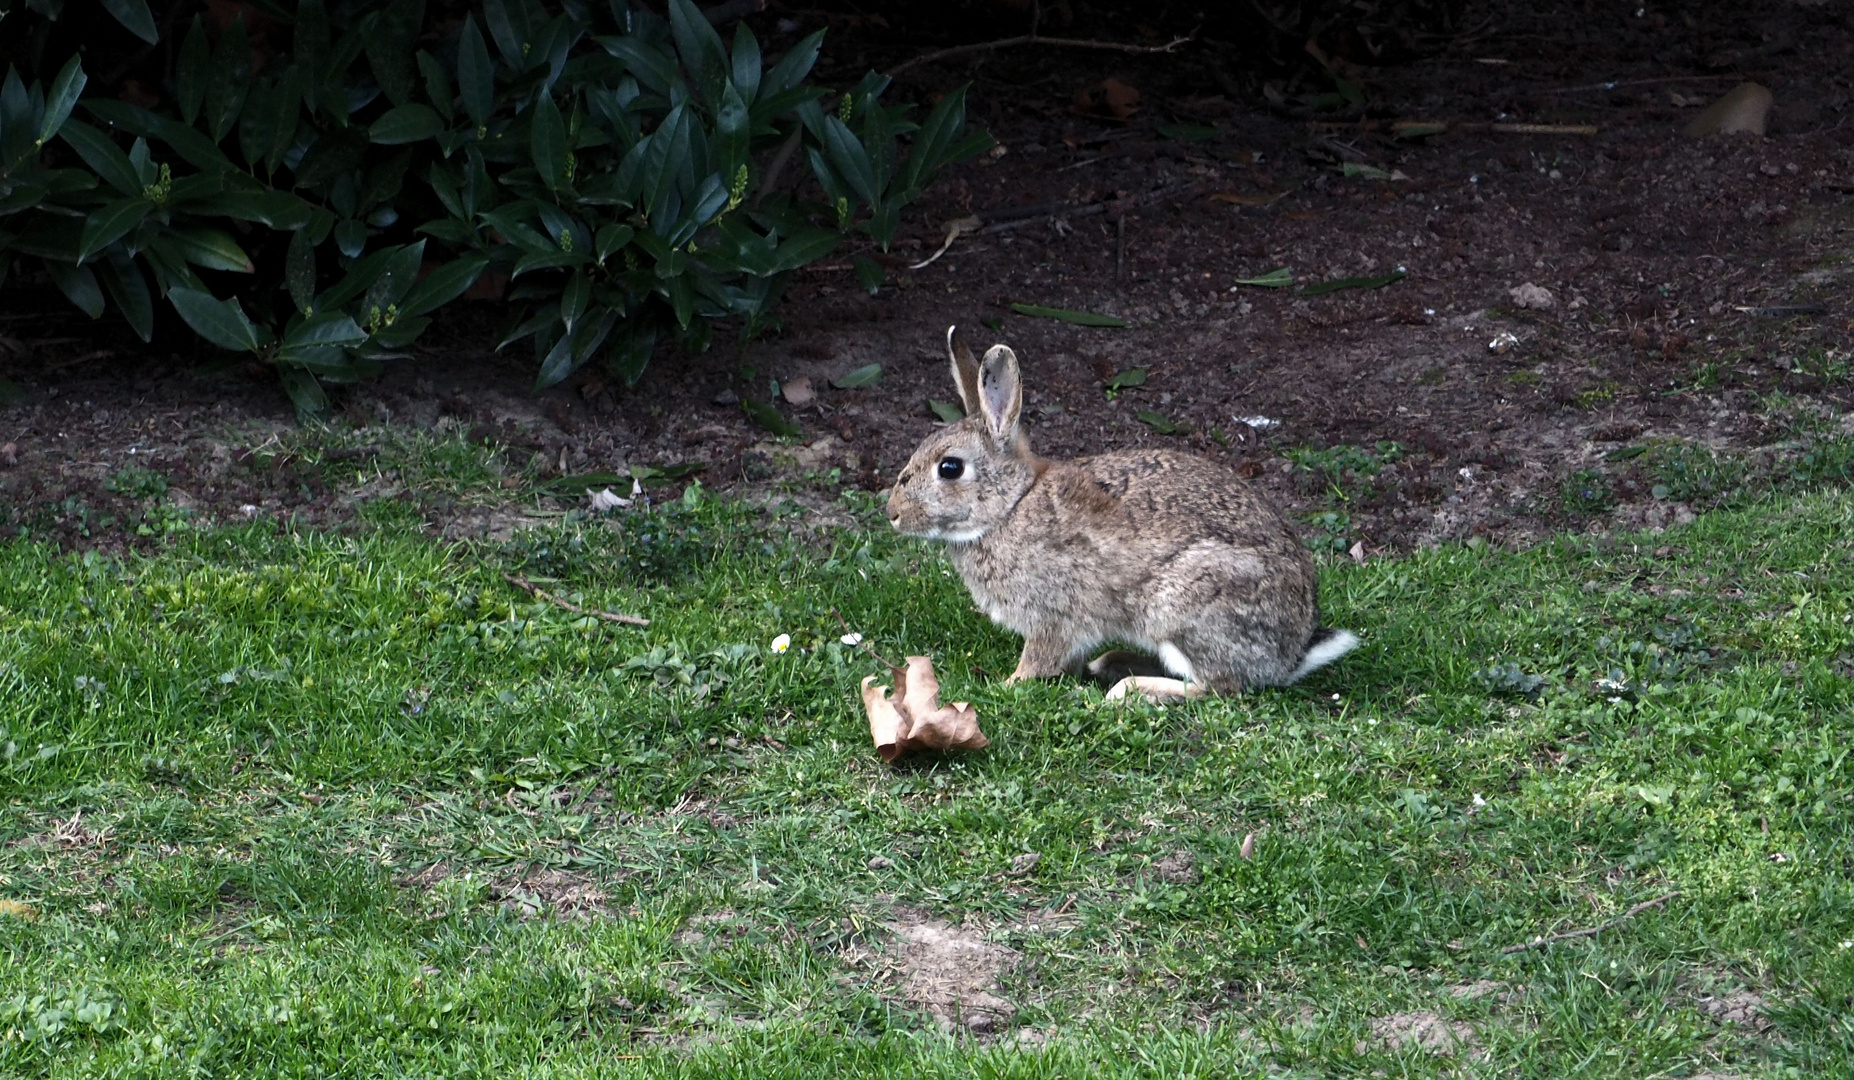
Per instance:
x=1163, y=551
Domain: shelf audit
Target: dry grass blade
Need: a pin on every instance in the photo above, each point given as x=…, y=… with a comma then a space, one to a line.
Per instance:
x=609, y=616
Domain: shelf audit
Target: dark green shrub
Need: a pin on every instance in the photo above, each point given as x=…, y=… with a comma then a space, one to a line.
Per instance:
x=315, y=206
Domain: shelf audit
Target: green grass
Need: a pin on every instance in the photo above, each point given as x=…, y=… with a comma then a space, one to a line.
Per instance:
x=350, y=805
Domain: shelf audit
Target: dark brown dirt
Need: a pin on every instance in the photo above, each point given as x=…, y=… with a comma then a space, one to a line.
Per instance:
x=1650, y=244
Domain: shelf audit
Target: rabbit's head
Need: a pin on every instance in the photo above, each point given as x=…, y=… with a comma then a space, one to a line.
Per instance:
x=965, y=478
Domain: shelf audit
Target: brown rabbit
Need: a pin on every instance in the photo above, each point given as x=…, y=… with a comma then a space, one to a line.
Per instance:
x=1162, y=551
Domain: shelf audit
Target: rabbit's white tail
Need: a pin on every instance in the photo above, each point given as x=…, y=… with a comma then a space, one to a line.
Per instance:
x=1327, y=645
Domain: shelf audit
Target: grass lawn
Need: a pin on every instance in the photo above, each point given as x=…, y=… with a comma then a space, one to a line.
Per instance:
x=283, y=804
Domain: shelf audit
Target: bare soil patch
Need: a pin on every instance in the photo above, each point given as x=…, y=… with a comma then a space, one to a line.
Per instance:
x=951, y=971
x=1424, y=1031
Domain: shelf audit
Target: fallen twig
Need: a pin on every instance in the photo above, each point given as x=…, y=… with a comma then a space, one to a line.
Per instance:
x=866, y=647
x=1587, y=87
x=955, y=229
x=609, y=616
x=1411, y=129
x=1539, y=943
x=1786, y=310
x=1014, y=218
x=1120, y=247
x=1034, y=38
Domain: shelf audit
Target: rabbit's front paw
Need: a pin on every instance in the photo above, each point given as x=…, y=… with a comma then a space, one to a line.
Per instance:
x=1156, y=690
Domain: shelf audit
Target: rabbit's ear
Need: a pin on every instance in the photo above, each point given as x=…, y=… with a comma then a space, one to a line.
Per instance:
x=1001, y=393
x=965, y=370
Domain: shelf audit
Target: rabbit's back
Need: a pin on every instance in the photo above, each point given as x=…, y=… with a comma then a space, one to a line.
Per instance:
x=1140, y=545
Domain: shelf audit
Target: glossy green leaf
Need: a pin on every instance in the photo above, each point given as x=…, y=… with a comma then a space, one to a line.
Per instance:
x=351, y=237
x=508, y=24
x=190, y=73
x=396, y=278
x=699, y=46
x=591, y=332
x=476, y=74
x=653, y=70
x=793, y=67
x=547, y=143
x=946, y=410
x=867, y=375
x=768, y=417
x=277, y=209
x=103, y=156
x=110, y=223
x=442, y=285
x=413, y=122
x=630, y=352
x=1079, y=318
x=209, y=248
x=305, y=393
x=135, y=16
x=402, y=332
x=221, y=322
x=747, y=65
x=64, y=93
x=286, y=114
x=299, y=271
x=805, y=248
x=518, y=232
x=733, y=130
x=437, y=85
x=324, y=328
x=851, y=160
x=573, y=298
x=557, y=364
x=668, y=154
x=23, y=195
x=18, y=119
x=611, y=238
x=257, y=123
x=311, y=40
x=870, y=273
x=1128, y=378
x=389, y=48
x=1158, y=422
x=126, y=285
x=1280, y=277
x=227, y=80
x=79, y=284
x=547, y=260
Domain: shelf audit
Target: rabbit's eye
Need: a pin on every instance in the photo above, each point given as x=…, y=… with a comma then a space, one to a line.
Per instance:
x=951, y=468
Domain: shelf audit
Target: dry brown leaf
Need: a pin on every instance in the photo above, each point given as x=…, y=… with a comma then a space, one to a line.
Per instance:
x=915, y=719
x=1121, y=100
x=798, y=391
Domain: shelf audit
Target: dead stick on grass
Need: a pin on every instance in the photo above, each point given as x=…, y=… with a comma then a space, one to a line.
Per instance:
x=1089, y=210
x=1120, y=248
x=1411, y=129
x=1617, y=85
x=1034, y=38
x=609, y=616
x=1568, y=935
